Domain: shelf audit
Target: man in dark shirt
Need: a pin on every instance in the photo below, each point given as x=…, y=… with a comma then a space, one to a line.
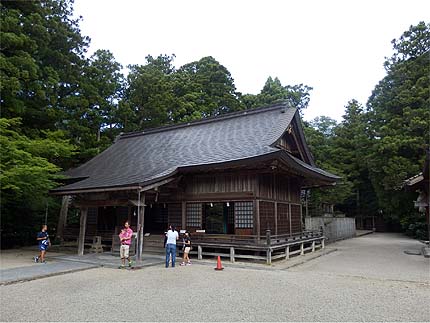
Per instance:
x=44, y=243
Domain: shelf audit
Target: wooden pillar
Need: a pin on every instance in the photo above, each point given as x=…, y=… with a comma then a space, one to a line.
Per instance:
x=287, y=252
x=82, y=228
x=322, y=243
x=184, y=216
x=289, y=215
x=313, y=246
x=257, y=217
x=140, y=225
x=302, y=251
x=62, y=220
x=301, y=218
x=306, y=203
x=276, y=218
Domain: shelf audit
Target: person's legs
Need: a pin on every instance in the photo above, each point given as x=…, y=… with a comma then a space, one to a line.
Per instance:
x=183, y=258
x=42, y=255
x=167, y=255
x=173, y=255
x=127, y=254
x=122, y=255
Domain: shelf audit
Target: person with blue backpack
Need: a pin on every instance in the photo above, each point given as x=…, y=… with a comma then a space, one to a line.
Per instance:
x=44, y=244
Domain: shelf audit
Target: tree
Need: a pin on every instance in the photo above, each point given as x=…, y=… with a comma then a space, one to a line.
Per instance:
x=94, y=123
x=399, y=120
x=149, y=98
x=27, y=171
x=40, y=62
x=159, y=94
x=273, y=91
x=320, y=136
x=204, y=88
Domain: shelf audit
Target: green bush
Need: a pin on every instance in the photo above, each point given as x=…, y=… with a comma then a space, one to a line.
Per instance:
x=415, y=227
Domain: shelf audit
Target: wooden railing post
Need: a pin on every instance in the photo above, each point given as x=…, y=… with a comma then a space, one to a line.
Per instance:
x=268, y=239
x=322, y=243
x=313, y=246
x=269, y=249
x=199, y=252
x=302, y=251
x=231, y=254
x=287, y=252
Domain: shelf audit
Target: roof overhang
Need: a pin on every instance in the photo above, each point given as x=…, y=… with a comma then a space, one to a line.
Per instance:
x=314, y=177
x=142, y=187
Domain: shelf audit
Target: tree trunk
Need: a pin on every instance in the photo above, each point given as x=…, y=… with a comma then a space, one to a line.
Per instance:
x=63, y=217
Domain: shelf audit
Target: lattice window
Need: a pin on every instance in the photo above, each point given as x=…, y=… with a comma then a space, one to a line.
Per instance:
x=244, y=214
x=194, y=215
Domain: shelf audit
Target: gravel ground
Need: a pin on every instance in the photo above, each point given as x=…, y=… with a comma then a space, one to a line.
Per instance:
x=367, y=279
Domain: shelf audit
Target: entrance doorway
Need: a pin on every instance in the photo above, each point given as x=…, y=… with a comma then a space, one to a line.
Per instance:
x=218, y=218
x=156, y=218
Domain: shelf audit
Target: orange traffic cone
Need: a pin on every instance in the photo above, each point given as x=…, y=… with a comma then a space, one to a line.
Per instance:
x=218, y=264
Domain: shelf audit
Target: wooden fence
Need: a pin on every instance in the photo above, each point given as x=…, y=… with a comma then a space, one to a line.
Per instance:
x=268, y=248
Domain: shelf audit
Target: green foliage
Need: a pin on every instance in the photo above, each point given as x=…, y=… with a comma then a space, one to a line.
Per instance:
x=320, y=137
x=415, y=226
x=273, y=91
x=206, y=87
x=399, y=120
x=158, y=94
x=27, y=172
x=42, y=53
x=375, y=148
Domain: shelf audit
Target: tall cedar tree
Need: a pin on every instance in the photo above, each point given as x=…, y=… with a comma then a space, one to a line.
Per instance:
x=399, y=121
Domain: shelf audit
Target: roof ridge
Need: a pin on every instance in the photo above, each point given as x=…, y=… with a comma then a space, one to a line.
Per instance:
x=217, y=118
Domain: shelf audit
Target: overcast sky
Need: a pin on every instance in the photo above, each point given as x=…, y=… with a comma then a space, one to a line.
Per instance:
x=336, y=47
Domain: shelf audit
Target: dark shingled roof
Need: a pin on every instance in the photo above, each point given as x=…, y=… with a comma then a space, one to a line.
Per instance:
x=144, y=157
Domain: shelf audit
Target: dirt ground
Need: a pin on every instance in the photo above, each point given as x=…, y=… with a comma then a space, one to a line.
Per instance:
x=14, y=258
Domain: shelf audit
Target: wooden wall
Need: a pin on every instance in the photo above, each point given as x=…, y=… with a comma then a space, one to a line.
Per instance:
x=220, y=183
x=267, y=217
x=283, y=222
x=279, y=187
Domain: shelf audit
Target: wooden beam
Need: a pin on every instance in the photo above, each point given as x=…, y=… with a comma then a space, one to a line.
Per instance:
x=99, y=203
x=157, y=184
x=94, y=190
x=221, y=197
x=82, y=227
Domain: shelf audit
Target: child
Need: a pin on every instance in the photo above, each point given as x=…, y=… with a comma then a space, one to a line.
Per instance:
x=187, y=248
x=44, y=243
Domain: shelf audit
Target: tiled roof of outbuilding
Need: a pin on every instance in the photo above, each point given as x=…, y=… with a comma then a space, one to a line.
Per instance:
x=142, y=157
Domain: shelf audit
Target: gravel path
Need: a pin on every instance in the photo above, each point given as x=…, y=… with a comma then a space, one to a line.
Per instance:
x=367, y=279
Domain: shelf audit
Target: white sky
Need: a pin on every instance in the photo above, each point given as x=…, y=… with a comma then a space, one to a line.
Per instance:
x=337, y=47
